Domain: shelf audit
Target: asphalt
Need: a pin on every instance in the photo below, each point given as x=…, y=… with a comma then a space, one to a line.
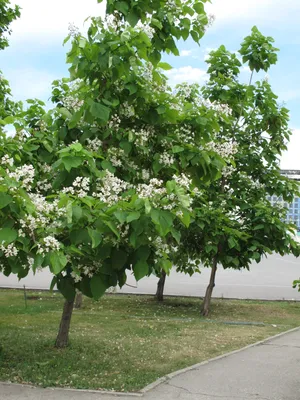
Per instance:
x=270, y=280
x=268, y=371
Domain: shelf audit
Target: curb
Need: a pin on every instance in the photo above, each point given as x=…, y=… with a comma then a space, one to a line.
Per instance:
x=62, y=389
x=197, y=366
x=163, y=379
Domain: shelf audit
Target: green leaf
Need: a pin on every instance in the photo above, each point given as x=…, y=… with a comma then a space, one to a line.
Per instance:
x=98, y=286
x=199, y=8
x=112, y=226
x=165, y=66
x=5, y=199
x=140, y=269
x=177, y=149
x=58, y=261
x=64, y=113
x=9, y=120
x=71, y=162
x=66, y=286
x=96, y=237
x=118, y=259
x=133, y=216
x=132, y=18
x=8, y=235
x=132, y=88
x=53, y=283
x=100, y=111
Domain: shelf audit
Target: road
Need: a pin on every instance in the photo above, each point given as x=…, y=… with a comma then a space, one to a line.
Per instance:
x=270, y=280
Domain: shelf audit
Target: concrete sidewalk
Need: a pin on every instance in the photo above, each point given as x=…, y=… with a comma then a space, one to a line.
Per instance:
x=268, y=371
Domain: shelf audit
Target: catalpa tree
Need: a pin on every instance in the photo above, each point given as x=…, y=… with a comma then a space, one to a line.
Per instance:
x=234, y=223
x=96, y=186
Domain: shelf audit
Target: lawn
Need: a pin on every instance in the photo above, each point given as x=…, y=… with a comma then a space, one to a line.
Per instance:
x=125, y=342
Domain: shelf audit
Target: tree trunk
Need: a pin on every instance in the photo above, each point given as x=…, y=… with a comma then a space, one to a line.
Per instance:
x=207, y=299
x=62, y=339
x=160, y=287
x=78, y=301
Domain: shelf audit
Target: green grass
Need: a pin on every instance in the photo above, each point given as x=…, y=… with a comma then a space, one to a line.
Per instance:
x=125, y=342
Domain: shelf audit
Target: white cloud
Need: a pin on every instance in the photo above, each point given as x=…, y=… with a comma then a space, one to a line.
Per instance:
x=254, y=10
x=185, y=53
x=186, y=74
x=42, y=18
x=30, y=83
x=291, y=159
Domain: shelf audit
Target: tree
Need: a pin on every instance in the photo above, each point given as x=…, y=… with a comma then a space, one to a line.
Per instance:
x=7, y=16
x=235, y=222
x=95, y=187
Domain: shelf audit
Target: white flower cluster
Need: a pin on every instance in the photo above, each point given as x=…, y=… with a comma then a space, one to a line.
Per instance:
x=145, y=174
x=24, y=174
x=116, y=156
x=110, y=188
x=9, y=250
x=226, y=149
x=71, y=100
x=185, y=134
x=228, y=170
x=127, y=110
x=146, y=29
x=46, y=214
x=123, y=230
x=5, y=160
x=218, y=107
x=45, y=168
x=114, y=21
x=94, y=144
x=143, y=135
x=44, y=185
x=80, y=187
x=114, y=122
x=162, y=248
x=166, y=159
x=73, y=30
x=49, y=244
x=183, y=180
x=152, y=189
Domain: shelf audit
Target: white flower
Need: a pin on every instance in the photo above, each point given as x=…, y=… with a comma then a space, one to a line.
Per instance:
x=73, y=30
x=166, y=159
x=5, y=160
x=9, y=250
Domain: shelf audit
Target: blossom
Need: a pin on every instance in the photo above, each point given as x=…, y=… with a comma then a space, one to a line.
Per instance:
x=6, y=160
x=110, y=188
x=166, y=159
x=9, y=250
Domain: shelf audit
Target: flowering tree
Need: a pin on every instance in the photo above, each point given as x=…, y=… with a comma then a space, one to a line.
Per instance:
x=235, y=223
x=97, y=185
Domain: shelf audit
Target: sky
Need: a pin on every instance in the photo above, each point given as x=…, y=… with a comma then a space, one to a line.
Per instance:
x=36, y=55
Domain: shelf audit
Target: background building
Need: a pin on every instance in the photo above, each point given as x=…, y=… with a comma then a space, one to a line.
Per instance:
x=293, y=214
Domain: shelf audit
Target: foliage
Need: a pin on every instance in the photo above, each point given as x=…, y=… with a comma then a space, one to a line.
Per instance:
x=7, y=16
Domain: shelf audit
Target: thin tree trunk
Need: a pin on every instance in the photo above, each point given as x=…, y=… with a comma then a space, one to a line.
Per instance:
x=160, y=287
x=78, y=301
x=207, y=299
x=62, y=339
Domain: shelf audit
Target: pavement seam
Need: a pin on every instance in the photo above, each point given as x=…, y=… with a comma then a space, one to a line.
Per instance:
x=246, y=396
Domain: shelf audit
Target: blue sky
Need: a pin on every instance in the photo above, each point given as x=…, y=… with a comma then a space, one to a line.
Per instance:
x=36, y=56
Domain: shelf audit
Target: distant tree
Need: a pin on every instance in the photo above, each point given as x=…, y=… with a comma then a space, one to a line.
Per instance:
x=234, y=222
